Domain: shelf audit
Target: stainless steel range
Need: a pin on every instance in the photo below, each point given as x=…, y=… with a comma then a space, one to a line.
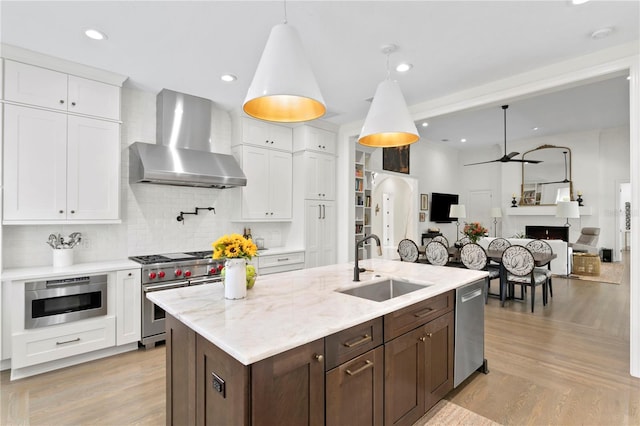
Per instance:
x=171, y=270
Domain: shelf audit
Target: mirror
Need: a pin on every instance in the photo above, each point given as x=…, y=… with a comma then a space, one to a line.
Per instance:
x=549, y=181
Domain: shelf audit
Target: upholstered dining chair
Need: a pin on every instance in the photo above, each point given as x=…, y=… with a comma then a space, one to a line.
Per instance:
x=473, y=256
x=498, y=244
x=441, y=239
x=464, y=241
x=408, y=251
x=520, y=266
x=437, y=253
x=541, y=246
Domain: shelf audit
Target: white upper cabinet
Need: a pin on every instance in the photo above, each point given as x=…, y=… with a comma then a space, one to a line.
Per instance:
x=308, y=138
x=259, y=133
x=33, y=85
x=319, y=176
x=59, y=167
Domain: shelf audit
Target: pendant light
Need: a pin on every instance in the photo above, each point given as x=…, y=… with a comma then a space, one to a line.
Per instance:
x=388, y=123
x=284, y=88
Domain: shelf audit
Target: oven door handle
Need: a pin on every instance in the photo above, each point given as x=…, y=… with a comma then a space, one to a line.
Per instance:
x=205, y=280
x=150, y=289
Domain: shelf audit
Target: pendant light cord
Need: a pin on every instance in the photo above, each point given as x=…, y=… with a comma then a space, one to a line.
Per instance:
x=285, y=11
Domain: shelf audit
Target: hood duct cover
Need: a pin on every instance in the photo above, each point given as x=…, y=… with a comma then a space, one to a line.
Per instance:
x=182, y=154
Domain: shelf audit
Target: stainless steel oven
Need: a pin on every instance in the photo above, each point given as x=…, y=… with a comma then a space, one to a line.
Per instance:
x=64, y=300
x=167, y=271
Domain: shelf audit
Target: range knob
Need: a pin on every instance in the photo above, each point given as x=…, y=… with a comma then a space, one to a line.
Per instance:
x=220, y=267
x=178, y=272
x=152, y=275
x=187, y=273
x=213, y=271
x=161, y=274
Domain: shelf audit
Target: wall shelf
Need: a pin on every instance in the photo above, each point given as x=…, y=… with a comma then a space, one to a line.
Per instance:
x=541, y=211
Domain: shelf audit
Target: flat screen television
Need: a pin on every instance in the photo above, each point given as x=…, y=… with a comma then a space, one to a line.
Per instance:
x=440, y=204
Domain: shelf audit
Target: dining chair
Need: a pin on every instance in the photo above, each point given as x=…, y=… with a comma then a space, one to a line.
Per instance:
x=474, y=257
x=408, y=251
x=541, y=246
x=520, y=266
x=441, y=239
x=464, y=241
x=497, y=244
x=437, y=253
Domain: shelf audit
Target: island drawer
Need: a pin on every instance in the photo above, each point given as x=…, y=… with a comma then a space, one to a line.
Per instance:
x=352, y=342
x=406, y=319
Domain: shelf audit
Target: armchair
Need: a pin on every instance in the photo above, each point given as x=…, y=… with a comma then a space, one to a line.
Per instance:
x=587, y=241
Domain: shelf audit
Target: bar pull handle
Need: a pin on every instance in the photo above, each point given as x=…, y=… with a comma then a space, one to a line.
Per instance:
x=367, y=364
x=359, y=341
x=77, y=339
x=423, y=313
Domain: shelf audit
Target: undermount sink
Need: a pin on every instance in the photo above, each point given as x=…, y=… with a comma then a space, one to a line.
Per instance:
x=380, y=291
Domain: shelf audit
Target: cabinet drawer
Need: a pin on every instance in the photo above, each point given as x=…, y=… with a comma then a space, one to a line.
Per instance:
x=404, y=320
x=50, y=344
x=347, y=344
x=280, y=259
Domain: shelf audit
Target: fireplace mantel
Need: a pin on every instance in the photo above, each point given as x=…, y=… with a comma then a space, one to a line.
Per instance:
x=541, y=211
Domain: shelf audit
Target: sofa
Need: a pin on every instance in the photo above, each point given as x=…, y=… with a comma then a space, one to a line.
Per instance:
x=559, y=247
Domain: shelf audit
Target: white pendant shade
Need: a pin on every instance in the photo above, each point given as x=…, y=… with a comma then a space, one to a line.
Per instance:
x=388, y=123
x=284, y=88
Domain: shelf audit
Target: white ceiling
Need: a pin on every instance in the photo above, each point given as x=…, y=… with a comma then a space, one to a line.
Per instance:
x=453, y=45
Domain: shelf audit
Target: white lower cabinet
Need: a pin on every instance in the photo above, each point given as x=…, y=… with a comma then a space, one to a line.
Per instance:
x=320, y=225
x=281, y=262
x=128, y=306
x=55, y=342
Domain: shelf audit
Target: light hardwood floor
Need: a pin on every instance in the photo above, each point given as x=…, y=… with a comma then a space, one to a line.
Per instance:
x=565, y=364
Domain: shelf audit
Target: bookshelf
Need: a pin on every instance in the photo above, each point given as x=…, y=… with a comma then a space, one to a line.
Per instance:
x=362, y=200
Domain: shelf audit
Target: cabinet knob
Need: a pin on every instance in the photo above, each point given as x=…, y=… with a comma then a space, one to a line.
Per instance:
x=271, y=142
x=60, y=211
x=61, y=101
x=73, y=211
x=422, y=339
x=318, y=357
x=266, y=141
x=73, y=104
x=129, y=274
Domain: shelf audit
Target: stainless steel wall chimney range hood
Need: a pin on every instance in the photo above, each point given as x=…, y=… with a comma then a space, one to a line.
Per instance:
x=182, y=153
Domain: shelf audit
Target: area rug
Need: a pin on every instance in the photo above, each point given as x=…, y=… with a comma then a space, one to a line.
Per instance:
x=610, y=273
x=448, y=413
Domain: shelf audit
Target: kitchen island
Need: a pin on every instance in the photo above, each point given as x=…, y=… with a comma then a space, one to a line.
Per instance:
x=233, y=361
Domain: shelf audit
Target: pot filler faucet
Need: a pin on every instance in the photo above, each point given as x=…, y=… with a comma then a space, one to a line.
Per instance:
x=356, y=268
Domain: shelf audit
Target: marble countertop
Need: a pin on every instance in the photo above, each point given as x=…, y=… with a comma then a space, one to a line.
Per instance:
x=289, y=309
x=30, y=273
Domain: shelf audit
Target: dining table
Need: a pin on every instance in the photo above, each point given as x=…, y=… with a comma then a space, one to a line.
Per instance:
x=539, y=259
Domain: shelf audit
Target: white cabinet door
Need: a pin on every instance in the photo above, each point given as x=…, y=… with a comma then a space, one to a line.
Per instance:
x=255, y=195
x=320, y=228
x=320, y=176
x=308, y=138
x=35, y=164
x=259, y=133
x=128, y=306
x=93, y=98
x=280, y=184
x=43, y=87
x=268, y=192
x=93, y=177
x=35, y=86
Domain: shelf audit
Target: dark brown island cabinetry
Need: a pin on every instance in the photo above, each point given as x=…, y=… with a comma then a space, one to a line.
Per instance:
x=386, y=371
x=418, y=353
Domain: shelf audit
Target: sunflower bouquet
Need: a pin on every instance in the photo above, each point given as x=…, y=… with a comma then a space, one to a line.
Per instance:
x=234, y=246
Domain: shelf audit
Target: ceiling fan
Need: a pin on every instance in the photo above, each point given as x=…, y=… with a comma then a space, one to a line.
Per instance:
x=506, y=158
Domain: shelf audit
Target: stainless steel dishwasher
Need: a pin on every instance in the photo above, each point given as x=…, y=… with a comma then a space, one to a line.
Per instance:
x=469, y=336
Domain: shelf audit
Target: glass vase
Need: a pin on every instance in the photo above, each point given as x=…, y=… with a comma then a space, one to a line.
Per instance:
x=235, y=278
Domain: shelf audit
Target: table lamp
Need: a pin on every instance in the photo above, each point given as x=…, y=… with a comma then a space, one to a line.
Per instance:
x=457, y=211
x=496, y=212
x=568, y=210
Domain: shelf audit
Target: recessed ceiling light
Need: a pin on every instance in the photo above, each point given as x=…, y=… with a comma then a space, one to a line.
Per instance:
x=94, y=34
x=577, y=2
x=404, y=67
x=535, y=129
x=425, y=124
x=628, y=77
x=228, y=78
x=463, y=140
x=601, y=33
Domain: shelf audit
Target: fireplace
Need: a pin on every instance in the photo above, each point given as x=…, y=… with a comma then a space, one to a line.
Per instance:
x=548, y=232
